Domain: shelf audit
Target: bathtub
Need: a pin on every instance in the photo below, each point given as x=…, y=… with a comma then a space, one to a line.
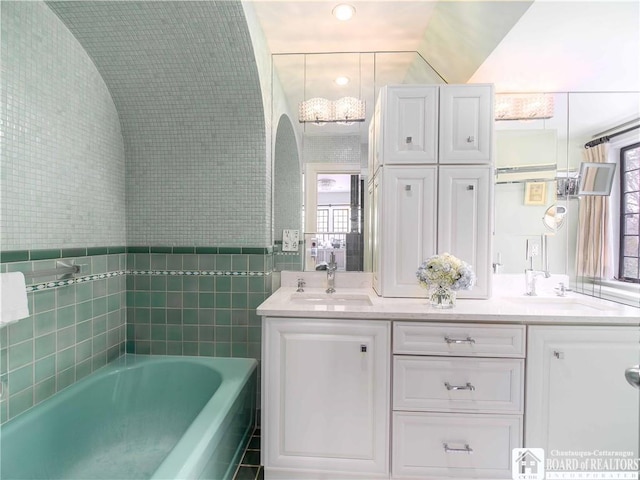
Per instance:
x=139, y=417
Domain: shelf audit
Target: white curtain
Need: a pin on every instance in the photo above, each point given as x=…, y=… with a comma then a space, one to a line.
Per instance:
x=595, y=231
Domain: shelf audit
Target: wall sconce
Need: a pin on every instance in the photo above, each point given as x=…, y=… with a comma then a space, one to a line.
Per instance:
x=319, y=111
x=523, y=106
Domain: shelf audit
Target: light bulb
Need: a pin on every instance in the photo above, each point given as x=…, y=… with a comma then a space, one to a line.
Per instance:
x=343, y=11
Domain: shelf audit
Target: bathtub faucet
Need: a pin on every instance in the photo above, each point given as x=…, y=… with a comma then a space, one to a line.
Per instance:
x=331, y=273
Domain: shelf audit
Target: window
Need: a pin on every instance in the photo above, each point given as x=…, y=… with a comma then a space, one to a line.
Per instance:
x=630, y=213
x=323, y=220
x=340, y=219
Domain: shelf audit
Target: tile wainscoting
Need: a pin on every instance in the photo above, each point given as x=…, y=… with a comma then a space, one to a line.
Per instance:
x=145, y=300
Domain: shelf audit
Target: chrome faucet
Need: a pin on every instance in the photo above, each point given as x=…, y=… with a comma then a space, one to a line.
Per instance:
x=331, y=273
x=530, y=276
x=301, y=284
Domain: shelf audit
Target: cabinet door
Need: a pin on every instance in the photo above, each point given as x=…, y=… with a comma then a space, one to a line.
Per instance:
x=464, y=221
x=466, y=123
x=325, y=385
x=577, y=397
x=410, y=122
x=408, y=227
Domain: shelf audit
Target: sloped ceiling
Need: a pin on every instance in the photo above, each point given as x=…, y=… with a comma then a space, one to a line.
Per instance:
x=569, y=46
x=461, y=35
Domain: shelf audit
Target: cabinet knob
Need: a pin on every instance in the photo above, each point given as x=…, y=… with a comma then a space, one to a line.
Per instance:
x=467, y=449
x=471, y=139
x=407, y=188
x=632, y=374
x=558, y=355
x=363, y=348
x=408, y=140
x=468, y=386
x=470, y=187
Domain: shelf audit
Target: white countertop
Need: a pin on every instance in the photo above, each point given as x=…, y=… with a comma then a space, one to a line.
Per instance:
x=508, y=307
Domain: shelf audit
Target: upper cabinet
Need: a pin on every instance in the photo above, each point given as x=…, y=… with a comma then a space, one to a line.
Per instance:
x=431, y=187
x=466, y=124
x=427, y=124
x=410, y=124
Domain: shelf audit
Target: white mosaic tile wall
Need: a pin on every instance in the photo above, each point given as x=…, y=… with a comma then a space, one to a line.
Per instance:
x=287, y=187
x=184, y=80
x=333, y=149
x=62, y=156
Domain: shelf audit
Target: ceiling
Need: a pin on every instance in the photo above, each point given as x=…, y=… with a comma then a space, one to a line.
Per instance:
x=520, y=46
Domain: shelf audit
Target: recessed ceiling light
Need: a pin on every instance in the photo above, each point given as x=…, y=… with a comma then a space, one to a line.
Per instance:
x=342, y=80
x=343, y=11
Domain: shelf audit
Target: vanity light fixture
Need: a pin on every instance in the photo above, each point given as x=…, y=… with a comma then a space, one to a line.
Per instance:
x=315, y=110
x=343, y=12
x=523, y=106
x=342, y=81
x=319, y=111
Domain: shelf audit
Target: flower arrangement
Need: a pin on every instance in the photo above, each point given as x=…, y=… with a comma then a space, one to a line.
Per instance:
x=446, y=271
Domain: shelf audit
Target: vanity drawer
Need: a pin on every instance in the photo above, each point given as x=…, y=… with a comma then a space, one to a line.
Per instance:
x=439, y=445
x=490, y=385
x=458, y=339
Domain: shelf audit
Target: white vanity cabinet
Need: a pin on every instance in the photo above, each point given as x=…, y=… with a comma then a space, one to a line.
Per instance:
x=577, y=396
x=325, y=411
x=458, y=399
x=423, y=210
x=431, y=164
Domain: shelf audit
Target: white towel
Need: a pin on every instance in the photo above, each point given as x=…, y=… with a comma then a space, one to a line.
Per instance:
x=13, y=294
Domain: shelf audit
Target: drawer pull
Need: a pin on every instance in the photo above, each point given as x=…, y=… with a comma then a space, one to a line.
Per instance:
x=467, y=449
x=468, y=386
x=450, y=340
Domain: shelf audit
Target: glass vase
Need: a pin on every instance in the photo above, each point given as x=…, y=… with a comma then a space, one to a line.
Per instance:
x=442, y=297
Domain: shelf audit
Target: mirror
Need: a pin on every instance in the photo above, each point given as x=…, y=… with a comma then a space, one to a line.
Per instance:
x=579, y=118
x=530, y=154
x=287, y=194
x=554, y=217
x=525, y=154
x=596, y=178
x=335, y=225
x=300, y=77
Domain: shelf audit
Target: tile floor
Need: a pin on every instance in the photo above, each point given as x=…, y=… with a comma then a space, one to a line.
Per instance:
x=250, y=468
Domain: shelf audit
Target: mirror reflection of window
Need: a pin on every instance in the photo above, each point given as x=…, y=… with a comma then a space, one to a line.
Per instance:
x=333, y=213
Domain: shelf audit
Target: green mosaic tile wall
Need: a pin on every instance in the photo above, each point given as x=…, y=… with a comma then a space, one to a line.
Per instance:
x=149, y=300
x=196, y=304
x=73, y=329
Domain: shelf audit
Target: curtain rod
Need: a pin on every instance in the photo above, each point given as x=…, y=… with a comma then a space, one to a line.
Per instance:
x=606, y=138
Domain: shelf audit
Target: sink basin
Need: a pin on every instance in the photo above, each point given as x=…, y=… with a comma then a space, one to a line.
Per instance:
x=554, y=303
x=356, y=300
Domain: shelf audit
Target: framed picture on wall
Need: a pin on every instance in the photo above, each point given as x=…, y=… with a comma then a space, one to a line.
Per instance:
x=535, y=193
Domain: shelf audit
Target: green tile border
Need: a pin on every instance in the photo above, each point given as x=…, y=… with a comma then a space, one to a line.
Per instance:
x=11, y=256
x=206, y=250
x=14, y=256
